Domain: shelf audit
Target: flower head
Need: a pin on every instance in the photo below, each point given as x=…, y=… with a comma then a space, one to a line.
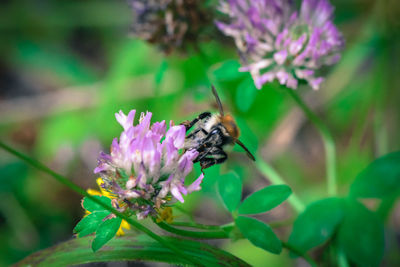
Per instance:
x=276, y=41
x=168, y=23
x=145, y=169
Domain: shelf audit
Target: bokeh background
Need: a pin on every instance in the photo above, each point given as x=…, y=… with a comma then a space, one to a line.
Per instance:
x=67, y=66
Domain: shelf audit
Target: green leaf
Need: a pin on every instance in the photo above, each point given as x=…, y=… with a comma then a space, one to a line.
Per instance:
x=230, y=190
x=316, y=224
x=246, y=136
x=160, y=72
x=59, y=63
x=265, y=199
x=212, y=174
x=260, y=234
x=228, y=70
x=12, y=175
x=92, y=206
x=89, y=223
x=361, y=235
x=105, y=232
x=130, y=248
x=67, y=129
x=380, y=179
x=245, y=94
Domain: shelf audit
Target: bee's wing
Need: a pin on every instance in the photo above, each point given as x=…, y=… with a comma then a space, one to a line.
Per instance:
x=221, y=110
x=237, y=141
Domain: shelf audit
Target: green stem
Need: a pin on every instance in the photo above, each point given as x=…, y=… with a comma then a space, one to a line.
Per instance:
x=81, y=191
x=299, y=253
x=221, y=235
x=341, y=256
x=196, y=225
x=275, y=178
x=200, y=235
x=327, y=139
x=202, y=55
x=380, y=95
x=380, y=130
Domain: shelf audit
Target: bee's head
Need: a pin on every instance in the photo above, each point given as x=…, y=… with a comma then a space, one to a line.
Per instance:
x=230, y=125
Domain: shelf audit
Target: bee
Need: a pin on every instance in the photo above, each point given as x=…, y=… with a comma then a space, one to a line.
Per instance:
x=211, y=134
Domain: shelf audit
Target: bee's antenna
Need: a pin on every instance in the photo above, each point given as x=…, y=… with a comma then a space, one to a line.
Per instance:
x=221, y=110
x=245, y=149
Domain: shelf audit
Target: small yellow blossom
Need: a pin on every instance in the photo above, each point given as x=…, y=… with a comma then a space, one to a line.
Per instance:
x=125, y=225
x=165, y=215
x=102, y=192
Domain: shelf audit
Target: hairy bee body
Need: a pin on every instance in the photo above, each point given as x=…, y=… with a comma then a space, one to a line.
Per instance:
x=208, y=138
x=203, y=128
x=211, y=133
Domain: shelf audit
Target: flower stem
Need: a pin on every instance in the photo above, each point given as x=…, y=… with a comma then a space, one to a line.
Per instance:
x=270, y=174
x=81, y=191
x=196, y=225
x=327, y=139
x=222, y=234
x=194, y=234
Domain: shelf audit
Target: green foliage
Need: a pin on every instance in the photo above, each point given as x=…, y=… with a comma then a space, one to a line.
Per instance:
x=161, y=72
x=90, y=223
x=317, y=223
x=100, y=221
x=228, y=70
x=62, y=62
x=12, y=174
x=63, y=130
x=212, y=174
x=130, y=248
x=246, y=93
x=259, y=234
x=361, y=235
x=256, y=256
x=380, y=179
x=265, y=199
x=230, y=190
x=92, y=206
x=105, y=232
x=247, y=136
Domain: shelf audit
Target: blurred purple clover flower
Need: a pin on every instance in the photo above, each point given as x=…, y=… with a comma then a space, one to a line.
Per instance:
x=275, y=41
x=145, y=168
x=170, y=24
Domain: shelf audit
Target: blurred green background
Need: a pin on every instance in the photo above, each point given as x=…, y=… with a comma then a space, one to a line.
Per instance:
x=67, y=66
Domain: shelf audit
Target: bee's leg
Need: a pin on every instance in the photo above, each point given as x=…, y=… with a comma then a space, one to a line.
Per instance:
x=189, y=124
x=212, y=142
x=211, y=147
x=199, y=157
x=195, y=132
x=216, y=156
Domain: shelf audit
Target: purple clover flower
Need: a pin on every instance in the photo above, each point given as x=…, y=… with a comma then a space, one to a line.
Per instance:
x=275, y=41
x=145, y=167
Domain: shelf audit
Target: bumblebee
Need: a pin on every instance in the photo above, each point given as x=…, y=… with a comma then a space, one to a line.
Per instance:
x=211, y=133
